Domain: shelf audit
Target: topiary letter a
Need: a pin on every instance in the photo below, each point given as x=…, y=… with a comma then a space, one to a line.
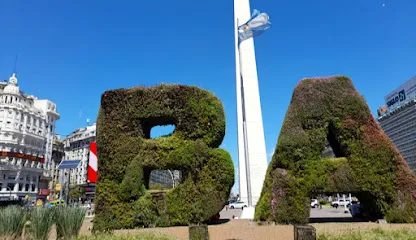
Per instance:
x=366, y=163
x=127, y=155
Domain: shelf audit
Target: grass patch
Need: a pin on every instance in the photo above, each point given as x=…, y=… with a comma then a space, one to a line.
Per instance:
x=141, y=236
x=12, y=221
x=69, y=222
x=41, y=221
x=374, y=234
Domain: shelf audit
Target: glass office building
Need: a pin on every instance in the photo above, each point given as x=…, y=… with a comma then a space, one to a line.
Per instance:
x=398, y=120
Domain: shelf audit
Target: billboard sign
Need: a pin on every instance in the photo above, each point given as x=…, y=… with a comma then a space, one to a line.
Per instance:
x=401, y=95
x=23, y=156
x=92, y=163
x=44, y=192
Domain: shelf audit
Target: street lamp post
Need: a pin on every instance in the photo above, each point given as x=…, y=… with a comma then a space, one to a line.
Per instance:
x=10, y=192
x=173, y=179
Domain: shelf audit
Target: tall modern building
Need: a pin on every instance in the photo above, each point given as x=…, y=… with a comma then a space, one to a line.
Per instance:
x=27, y=127
x=398, y=120
x=167, y=178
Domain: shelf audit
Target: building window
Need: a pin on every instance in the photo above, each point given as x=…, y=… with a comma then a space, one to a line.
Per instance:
x=11, y=177
x=33, y=187
x=20, y=187
x=10, y=187
x=27, y=187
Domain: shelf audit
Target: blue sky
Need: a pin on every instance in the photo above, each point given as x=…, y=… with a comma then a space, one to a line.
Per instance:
x=72, y=51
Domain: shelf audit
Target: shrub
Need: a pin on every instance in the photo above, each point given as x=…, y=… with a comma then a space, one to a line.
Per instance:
x=41, y=221
x=331, y=110
x=127, y=156
x=69, y=221
x=199, y=232
x=399, y=215
x=323, y=201
x=156, y=186
x=12, y=221
x=145, y=212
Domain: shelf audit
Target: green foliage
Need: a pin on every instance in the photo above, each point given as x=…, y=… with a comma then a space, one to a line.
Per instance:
x=75, y=192
x=137, y=236
x=367, y=163
x=156, y=186
x=145, y=212
x=12, y=221
x=41, y=221
x=199, y=232
x=399, y=215
x=127, y=155
x=323, y=202
x=374, y=234
x=68, y=221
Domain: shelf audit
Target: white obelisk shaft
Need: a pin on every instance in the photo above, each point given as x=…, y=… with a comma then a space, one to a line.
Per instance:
x=251, y=143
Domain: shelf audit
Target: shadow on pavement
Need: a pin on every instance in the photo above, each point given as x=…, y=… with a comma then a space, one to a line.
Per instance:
x=219, y=221
x=334, y=220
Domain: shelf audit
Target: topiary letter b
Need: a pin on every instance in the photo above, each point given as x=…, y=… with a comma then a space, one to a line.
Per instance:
x=127, y=155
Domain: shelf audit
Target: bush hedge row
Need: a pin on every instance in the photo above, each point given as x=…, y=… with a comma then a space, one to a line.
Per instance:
x=127, y=155
x=366, y=164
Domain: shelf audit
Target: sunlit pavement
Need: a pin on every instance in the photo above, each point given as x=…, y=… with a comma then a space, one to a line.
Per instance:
x=228, y=214
x=325, y=212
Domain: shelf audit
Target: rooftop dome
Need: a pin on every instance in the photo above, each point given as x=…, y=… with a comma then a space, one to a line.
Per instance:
x=12, y=86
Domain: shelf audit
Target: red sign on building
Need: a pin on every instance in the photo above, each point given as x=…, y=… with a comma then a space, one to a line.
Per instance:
x=23, y=156
x=44, y=192
x=92, y=164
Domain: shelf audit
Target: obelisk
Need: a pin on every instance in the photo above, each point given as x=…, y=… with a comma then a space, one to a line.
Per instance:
x=252, y=155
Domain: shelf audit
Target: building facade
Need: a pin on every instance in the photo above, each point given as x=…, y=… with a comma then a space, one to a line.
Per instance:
x=58, y=155
x=27, y=127
x=398, y=120
x=166, y=178
x=77, y=147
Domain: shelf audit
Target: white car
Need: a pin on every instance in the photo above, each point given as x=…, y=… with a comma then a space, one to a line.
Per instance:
x=314, y=203
x=238, y=204
x=340, y=202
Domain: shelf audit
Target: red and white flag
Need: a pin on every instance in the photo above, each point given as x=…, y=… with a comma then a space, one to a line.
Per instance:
x=92, y=164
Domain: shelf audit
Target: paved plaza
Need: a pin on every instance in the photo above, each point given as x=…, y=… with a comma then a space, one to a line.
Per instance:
x=326, y=214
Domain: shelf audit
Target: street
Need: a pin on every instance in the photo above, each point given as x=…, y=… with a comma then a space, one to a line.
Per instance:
x=317, y=215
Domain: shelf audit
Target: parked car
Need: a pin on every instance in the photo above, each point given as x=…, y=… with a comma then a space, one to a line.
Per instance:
x=340, y=202
x=314, y=203
x=238, y=204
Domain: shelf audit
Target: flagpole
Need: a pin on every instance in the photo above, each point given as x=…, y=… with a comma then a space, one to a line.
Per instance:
x=245, y=140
